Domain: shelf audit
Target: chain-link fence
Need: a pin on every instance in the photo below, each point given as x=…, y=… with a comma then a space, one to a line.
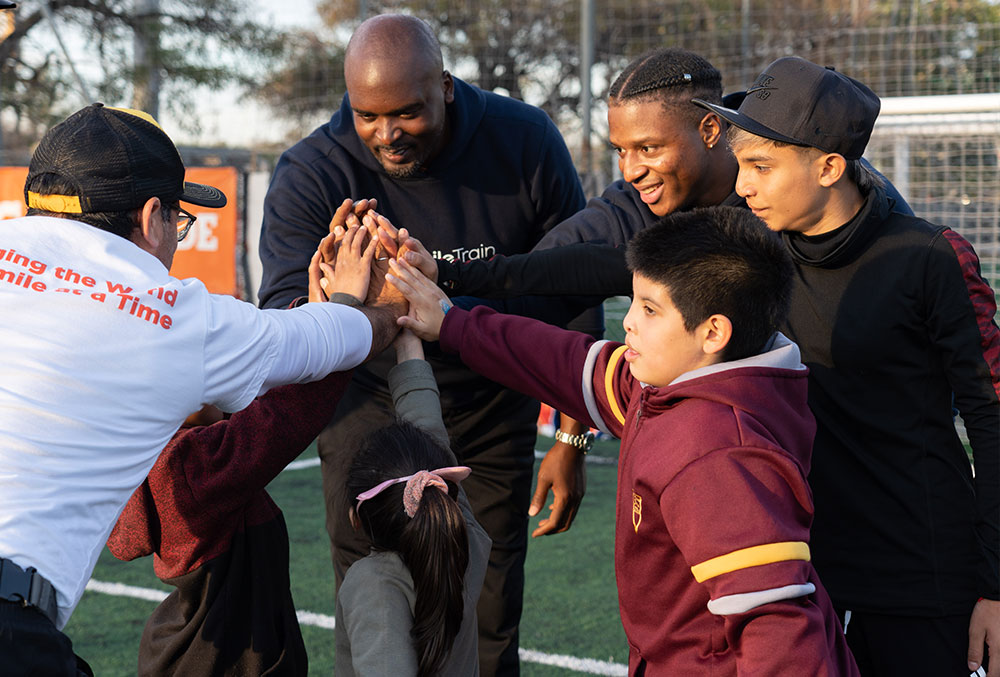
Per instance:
x=945, y=162
x=533, y=49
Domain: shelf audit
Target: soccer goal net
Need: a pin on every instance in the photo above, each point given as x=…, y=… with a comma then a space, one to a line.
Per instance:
x=942, y=153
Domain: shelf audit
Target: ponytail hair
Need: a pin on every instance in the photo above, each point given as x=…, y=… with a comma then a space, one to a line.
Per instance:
x=433, y=544
x=435, y=548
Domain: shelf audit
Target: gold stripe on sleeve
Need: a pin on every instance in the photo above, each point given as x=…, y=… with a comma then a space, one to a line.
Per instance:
x=609, y=378
x=751, y=557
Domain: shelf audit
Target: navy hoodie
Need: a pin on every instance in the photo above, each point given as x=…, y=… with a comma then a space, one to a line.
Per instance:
x=504, y=179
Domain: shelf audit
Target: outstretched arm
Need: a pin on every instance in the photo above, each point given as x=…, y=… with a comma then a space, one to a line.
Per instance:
x=562, y=470
x=580, y=269
x=416, y=399
x=591, y=270
x=415, y=394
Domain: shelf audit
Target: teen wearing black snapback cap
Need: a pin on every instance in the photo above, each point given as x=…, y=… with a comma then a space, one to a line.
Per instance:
x=894, y=319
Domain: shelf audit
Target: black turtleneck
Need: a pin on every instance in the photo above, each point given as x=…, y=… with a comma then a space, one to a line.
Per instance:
x=885, y=313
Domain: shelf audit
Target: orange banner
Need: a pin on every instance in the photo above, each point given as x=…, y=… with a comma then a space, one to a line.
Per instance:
x=209, y=250
x=12, y=192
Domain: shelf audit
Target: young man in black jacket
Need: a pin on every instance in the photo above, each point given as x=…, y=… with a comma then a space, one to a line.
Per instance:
x=894, y=319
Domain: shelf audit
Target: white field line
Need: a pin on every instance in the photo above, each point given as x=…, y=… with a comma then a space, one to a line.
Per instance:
x=589, y=666
x=539, y=454
x=585, y=665
x=304, y=463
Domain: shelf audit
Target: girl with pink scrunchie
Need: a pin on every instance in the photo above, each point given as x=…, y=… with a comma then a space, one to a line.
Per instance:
x=409, y=607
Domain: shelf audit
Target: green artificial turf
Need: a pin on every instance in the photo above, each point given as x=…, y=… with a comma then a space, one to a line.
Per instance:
x=570, y=601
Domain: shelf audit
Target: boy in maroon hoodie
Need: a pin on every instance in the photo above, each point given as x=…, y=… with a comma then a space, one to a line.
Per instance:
x=216, y=535
x=713, y=509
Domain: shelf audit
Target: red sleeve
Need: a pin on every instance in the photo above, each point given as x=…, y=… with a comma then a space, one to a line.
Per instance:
x=207, y=474
x=984, y=303
x=527, y=355
x=961, y=324
x=227, y=462
x=613, y=386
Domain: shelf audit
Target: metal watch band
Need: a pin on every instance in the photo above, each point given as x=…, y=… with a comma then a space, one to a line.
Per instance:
x=583, y=442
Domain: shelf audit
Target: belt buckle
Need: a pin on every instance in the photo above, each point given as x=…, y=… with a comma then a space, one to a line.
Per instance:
x=15, y=582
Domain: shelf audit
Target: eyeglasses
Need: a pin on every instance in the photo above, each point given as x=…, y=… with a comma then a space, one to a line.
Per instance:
x=185, y=220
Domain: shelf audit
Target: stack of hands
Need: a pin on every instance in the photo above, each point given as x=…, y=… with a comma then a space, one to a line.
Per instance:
x=383, y=267
x=368, y=258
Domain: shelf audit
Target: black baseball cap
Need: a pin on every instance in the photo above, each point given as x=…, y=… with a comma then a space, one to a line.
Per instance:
x=115, y=159
x=795, y=101
x=7, y=4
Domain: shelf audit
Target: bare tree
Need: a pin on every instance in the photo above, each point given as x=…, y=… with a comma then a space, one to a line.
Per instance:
x=185, y=44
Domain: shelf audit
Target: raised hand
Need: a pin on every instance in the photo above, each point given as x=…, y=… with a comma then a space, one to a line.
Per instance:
x=320, y=278
x=353, y=271
x=414, y=253
x=397, y=243
x=348, y=214
x=381, y=227
x=428, y=304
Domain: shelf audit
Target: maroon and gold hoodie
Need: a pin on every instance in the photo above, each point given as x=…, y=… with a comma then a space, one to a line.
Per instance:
x=713, y=509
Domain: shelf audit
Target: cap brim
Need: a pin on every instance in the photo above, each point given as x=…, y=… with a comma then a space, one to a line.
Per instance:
x=733, y=99
x=6, y=4
x=737, y=119
x=202, y=195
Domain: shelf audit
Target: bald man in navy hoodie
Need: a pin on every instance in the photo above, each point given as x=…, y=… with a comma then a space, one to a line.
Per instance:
x=472, y=174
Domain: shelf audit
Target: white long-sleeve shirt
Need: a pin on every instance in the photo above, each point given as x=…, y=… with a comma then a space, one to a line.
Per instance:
x=102, y=356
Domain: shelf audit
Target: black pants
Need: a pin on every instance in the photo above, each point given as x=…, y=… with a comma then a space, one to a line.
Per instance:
x=496, y=438
x=904, y=646
x=30, y=645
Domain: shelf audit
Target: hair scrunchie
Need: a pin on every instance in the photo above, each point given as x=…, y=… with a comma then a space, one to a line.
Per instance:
x=414, y=490
x=415, y=485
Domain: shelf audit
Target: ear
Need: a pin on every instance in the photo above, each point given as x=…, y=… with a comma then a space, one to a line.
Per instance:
x=716, y=332
x=710, y=129
x=832, y=167
x=149, y=235
x=448, y=85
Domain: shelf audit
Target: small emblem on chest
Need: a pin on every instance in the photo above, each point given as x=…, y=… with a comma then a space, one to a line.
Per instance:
x=636, y=511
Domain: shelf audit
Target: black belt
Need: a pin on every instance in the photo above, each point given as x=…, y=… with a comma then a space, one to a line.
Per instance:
x=27, y=588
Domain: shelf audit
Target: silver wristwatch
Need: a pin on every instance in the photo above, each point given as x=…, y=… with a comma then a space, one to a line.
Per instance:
x=582, y=442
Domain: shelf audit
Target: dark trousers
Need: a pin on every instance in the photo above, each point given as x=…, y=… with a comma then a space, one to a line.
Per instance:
x=496, y=438
x=903, y=646
x=30, y=645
